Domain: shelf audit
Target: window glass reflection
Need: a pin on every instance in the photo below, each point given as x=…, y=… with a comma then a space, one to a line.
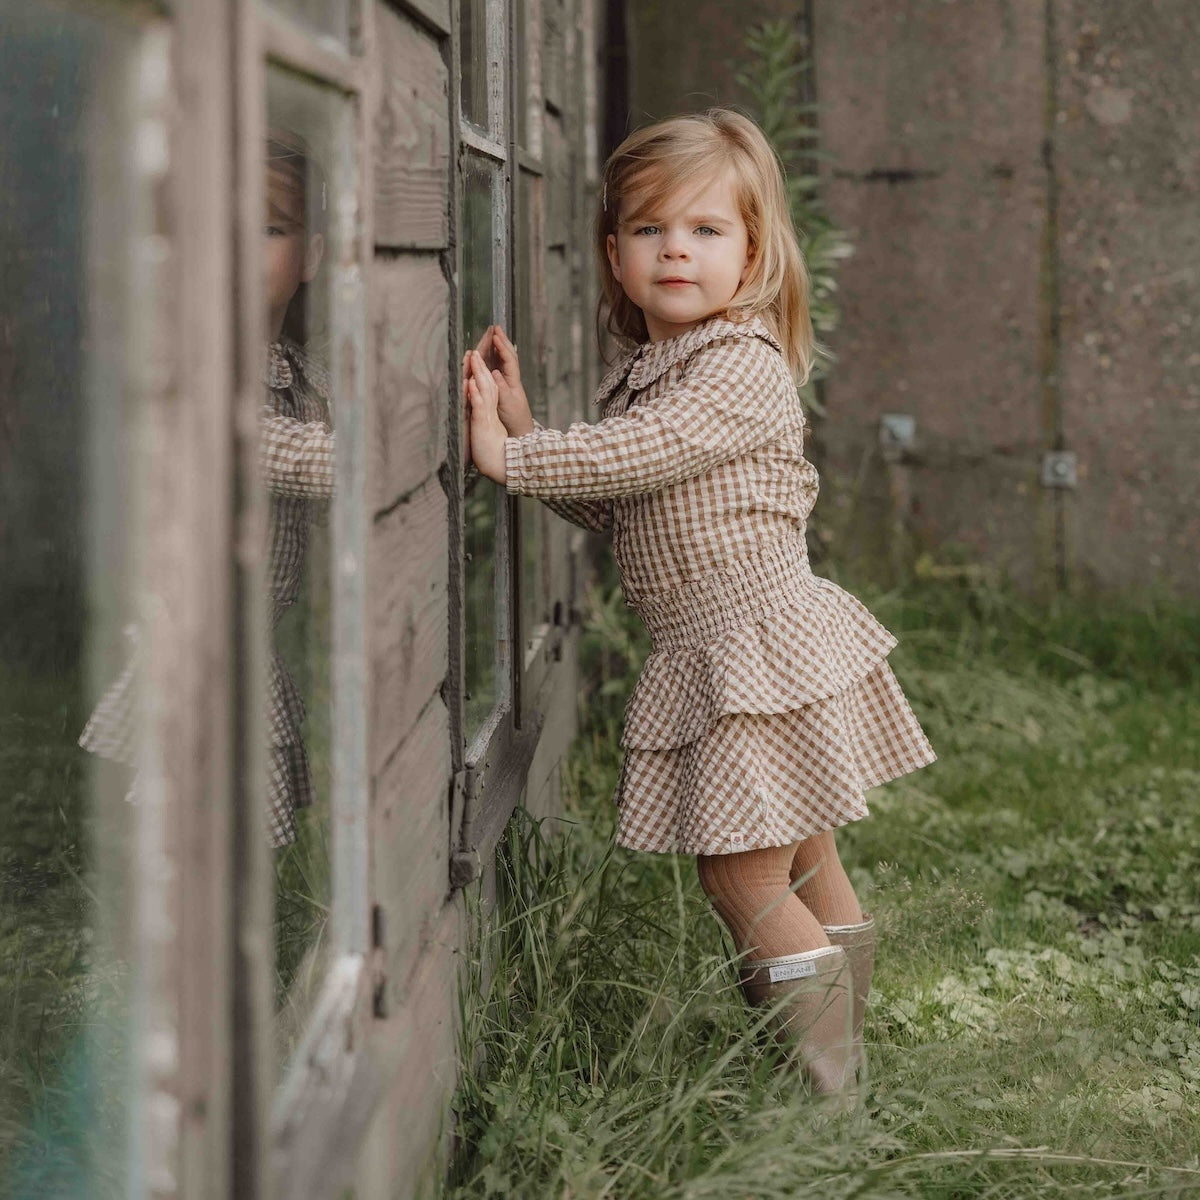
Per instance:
x=479, y=183
x=306, y=127
x=330, y=17
x=70, y=220
x=474, y=58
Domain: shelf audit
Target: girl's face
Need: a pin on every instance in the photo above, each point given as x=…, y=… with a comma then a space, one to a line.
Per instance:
x=291, y=255
x=683, y=259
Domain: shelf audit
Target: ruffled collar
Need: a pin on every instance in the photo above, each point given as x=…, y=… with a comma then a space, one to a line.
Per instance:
x=289, y=366
x=279, y=373
x=652, y=360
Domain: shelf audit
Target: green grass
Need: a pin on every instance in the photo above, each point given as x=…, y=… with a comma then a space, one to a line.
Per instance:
x=1035, y=1024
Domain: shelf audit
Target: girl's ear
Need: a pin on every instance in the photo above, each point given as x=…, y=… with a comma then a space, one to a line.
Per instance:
x=749, y=264
x=313, y=256
x=614, y=259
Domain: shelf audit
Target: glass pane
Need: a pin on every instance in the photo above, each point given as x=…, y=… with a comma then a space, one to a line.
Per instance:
x=478, y=305
x=72, y=223
x=534, y=586
x=331, y=17
x=472, y=15
x=480, y=553
x=308, y=128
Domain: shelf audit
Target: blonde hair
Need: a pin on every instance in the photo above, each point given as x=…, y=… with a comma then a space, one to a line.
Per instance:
x=670, y=156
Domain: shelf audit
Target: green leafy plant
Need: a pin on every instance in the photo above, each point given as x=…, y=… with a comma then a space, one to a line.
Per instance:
x=774, y=81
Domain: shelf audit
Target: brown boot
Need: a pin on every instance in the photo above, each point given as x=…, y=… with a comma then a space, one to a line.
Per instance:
x=812, y=993
x=859, y=943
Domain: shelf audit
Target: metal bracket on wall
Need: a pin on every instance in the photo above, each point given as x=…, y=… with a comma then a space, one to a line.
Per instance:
x=1060, y=469
x=897, y=435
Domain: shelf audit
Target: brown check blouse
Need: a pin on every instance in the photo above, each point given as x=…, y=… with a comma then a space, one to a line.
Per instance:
x=766, y=707
x=296, y=449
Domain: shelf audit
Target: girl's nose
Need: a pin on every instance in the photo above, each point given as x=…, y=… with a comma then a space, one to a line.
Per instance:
x=674, y=246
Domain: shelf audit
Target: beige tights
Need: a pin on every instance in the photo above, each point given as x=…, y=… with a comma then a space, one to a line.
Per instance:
x=753, y=894
x=824, y=888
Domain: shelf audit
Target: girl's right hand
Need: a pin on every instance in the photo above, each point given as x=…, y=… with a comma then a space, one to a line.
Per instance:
x=512, y=405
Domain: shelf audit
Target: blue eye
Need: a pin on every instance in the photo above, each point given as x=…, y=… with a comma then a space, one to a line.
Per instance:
x=708, y=230
x=275, y=231
x=648, y=229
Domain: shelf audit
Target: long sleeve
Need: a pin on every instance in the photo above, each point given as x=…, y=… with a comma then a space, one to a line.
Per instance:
x=594, y=515
x=295, y=457
x=735, y=396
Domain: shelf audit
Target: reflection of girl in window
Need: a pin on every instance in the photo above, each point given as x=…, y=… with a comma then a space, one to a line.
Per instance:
x=767, y=706
x=295, y=441
x=296, y=447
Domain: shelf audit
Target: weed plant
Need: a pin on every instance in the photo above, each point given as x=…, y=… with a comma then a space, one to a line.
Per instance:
x=1033, y=1031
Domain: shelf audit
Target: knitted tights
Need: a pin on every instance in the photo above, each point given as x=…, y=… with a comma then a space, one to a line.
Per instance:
x=753, y=894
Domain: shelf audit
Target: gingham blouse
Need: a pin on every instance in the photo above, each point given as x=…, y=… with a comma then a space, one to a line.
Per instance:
x=698, y=470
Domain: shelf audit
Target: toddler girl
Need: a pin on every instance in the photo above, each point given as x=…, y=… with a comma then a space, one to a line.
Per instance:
x=766, y=706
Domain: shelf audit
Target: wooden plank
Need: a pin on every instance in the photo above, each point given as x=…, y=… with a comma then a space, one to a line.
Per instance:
x=291, y=45
x=183, y=1101
x=410, y=315
x=412, y=137
x=559, y=549
x=405, y=1152
x=410, y=846
x=558, y=698
x=558, y=183
x=408, y=633
x=434, y=13
x=251, y=999
x=559, y=300
x=530, y=73
x=554, y=27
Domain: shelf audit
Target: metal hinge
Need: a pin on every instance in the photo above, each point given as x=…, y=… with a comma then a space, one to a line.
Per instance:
x=465, y=868
x=1060, y=469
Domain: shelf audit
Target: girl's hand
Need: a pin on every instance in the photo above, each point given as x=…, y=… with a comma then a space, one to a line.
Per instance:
x=486, y=430
x=511, y=402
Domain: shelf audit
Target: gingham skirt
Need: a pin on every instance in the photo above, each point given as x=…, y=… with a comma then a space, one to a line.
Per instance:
x=764, y=712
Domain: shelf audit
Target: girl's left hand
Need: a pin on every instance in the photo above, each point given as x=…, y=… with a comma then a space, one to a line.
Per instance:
x=487, y=432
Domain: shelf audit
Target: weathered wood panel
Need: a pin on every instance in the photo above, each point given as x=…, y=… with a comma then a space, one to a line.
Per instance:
x=408, y=615
x=559, y=301
x=411, y=849
x=559, y=702
x=435, y=13
x=406, y=1148
x=412, y=137
x=410, y=307
x=554, y=28
x=558, y=184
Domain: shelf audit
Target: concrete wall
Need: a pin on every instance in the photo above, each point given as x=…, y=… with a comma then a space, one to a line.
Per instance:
x=1020, y=178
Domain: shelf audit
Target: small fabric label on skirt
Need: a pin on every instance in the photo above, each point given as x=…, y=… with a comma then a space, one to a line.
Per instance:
x=791, y=971
x=737, y=841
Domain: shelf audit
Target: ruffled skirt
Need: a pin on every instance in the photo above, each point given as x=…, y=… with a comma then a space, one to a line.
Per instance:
x=764, y=712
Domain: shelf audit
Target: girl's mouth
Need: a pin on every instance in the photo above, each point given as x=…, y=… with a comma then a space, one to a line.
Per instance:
x=675, y=282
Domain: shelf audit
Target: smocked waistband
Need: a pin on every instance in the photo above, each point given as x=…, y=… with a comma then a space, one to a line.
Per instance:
x=699, y=611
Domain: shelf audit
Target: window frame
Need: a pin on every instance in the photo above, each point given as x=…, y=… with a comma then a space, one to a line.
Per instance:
x=300, y=1105
x=490, y=775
